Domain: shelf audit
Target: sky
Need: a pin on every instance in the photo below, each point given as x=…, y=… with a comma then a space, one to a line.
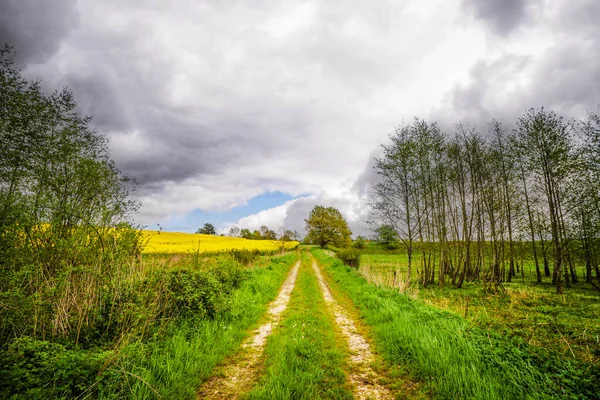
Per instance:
x=250, y=113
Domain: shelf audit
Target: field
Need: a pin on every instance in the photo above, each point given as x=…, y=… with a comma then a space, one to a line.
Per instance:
x=568, y=326
x=182, y=243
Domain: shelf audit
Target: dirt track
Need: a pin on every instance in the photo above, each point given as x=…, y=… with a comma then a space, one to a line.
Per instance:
x=364, y=379
x=243, y=370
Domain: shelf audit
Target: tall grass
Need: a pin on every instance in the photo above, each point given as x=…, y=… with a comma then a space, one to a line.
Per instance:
x=456, y=360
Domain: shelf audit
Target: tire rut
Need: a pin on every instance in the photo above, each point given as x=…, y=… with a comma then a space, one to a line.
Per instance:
x=363, y=377
x=244, y=369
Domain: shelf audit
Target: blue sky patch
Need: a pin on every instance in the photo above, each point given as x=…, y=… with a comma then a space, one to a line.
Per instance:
x=195, y=219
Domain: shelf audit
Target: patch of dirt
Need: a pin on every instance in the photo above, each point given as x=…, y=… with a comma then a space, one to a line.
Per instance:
x=239, y=374
x=363, y=377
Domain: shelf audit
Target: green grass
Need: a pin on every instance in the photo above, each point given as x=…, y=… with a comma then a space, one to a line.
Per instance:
x=567, y=324
x=455, y=359
x=303, y=359
x=173, y=365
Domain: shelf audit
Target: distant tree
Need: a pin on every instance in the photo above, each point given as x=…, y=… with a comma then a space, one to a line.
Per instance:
x=246, y=234
x=359, y=243
x=326, y=225
x=270, y=235
x=256, y=235
x=234, y=231
x=207, y=229
x=264, y=230
x=286, y=235
x=387, y=236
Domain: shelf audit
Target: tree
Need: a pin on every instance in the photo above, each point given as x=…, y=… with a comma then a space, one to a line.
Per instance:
x=62, y=207
x=207, y=229
x=234, y=231
x=270, y=235
x=264, y=231
x=386, y=235
x=246, y=234
x=285, y=235
x=326, y=225
x=545, y=145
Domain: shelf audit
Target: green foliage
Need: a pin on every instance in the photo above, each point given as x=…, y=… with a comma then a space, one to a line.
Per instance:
x=174, y=363
x=360, y=243
x=33, y=368
x=63, y=212
x=263, y=234
x=207, y=229
x=325, y=226
x=350, y=257
x=246, y=234
x=387, y=236
x=267, y=234
x=246, y=257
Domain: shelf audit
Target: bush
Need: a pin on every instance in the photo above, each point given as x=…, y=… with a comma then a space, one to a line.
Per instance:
x=350, y=257
x=203, y=293
x=359, y=243
x=32, y=368
x=245, y=257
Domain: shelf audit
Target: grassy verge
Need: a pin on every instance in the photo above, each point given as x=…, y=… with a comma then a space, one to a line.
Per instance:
x=174, y=364
x=396, y=377
x=456, y=360
x=567, y=325
x=303, y=359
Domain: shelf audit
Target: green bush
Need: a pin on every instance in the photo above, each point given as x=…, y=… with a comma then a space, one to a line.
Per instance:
x=203, y=292
x=245, y=257
x=359, y=243
x=350, y=257
x=31, y=368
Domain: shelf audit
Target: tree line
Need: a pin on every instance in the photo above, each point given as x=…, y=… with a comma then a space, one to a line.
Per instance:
x=469, y=205
x=264, y=233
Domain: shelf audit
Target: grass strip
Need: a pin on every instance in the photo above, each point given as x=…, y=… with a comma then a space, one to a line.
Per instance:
x=173, y=367
x=455, y=360
x=303, y=357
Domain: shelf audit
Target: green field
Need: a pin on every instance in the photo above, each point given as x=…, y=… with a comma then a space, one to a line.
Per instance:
x=567, y=326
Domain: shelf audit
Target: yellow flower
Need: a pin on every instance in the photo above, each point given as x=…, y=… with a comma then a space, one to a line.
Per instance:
x=177, y=242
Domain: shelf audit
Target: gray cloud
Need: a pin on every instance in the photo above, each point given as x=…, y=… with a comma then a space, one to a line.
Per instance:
x=564, y=76
x=211, y=103
x=36, y=28
x=503, y=16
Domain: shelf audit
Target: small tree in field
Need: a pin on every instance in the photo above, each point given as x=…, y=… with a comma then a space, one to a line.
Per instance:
x=245, y=233
x=285, y=235
x=207, y=229
x=326, y=225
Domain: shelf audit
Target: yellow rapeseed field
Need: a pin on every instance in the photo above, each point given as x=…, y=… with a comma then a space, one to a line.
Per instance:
x=178, y=242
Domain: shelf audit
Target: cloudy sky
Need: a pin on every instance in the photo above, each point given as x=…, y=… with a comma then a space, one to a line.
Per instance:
x=251, y=112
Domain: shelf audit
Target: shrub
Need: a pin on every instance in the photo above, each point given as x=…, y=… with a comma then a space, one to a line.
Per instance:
x=350, y=257
x=359, y=243
x=245, y=257
x=33, y=368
